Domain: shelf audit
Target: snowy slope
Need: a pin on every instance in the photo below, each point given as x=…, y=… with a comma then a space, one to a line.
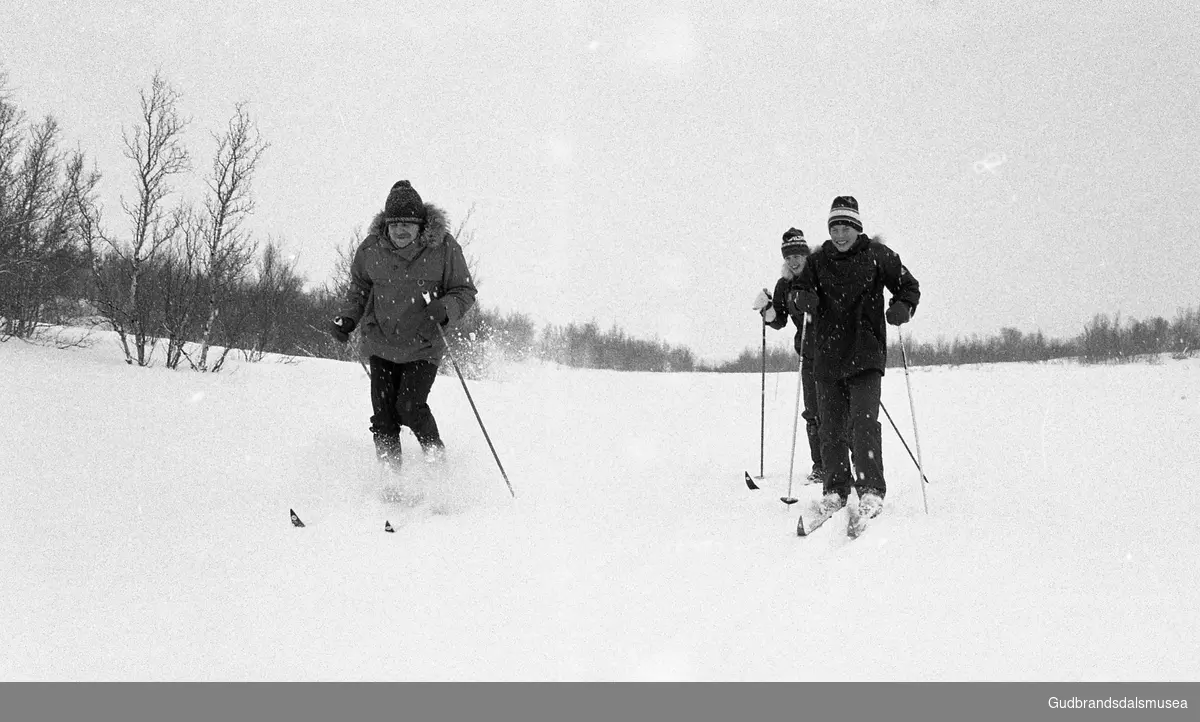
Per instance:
x=146, y=534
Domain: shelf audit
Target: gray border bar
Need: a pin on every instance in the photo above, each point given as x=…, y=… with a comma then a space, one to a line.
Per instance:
x=695, y=702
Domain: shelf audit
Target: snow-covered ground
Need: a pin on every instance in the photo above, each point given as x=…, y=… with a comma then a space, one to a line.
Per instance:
x=146, y=536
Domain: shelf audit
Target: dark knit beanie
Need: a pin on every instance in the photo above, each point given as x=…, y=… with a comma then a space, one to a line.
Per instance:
x=794, y=243
x=845, y=212
x=404, y=204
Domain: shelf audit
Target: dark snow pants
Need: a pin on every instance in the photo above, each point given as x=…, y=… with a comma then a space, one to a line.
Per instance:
x=398, y=397
x=812, y=417
x=849, y=410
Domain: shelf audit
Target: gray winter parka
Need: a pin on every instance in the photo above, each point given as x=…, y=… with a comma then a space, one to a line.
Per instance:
x=386, y=286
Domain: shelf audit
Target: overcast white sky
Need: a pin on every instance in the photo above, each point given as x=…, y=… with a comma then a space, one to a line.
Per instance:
x=1034, y=163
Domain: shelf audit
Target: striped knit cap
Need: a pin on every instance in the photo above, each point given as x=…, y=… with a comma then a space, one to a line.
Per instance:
x=794, y=243
x=845, y=212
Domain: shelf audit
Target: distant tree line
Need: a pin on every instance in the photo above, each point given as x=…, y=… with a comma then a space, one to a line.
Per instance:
x=183, y=282
x=1106, y=341
x=1103, y=340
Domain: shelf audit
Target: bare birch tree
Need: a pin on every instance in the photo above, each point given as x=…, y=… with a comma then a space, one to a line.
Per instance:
x=41, y=190
x=154, y=144
x=181, y=289
x=228, y=251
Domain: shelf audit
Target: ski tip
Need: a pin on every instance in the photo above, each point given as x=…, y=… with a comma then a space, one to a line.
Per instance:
x=800, y=530
x=295, y=519
x=750, y=482
x=387, y=526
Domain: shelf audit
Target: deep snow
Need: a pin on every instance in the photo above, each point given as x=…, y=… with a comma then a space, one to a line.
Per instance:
x=146, y=535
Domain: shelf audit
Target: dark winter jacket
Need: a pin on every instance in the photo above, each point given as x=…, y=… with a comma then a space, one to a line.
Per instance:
x=779, y=303
x=386, y=286
x=850, y=329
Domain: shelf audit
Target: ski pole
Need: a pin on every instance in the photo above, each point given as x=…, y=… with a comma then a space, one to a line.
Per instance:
x=470, y=400
x=762, y=413
x=789, y=499
x=912, y=409
x=467, y=391
x=902, y=441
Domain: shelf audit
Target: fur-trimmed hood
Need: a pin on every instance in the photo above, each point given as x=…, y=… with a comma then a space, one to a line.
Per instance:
x=433, y=233
x=787, y=273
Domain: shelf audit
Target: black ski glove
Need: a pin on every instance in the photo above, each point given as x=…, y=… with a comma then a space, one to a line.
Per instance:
x=898, y=312
x=436, y=310
x=341, y=328
x=801, y=302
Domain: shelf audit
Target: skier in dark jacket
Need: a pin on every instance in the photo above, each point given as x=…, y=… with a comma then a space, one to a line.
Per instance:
x=408, y=279
x=773, y=309
x=842, y=288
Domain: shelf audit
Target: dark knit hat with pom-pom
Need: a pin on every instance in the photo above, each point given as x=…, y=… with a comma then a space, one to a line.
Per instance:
x=404, y=204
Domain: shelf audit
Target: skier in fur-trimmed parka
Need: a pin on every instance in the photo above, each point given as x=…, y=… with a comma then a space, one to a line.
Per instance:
x=842, y=289
x=408, y=279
